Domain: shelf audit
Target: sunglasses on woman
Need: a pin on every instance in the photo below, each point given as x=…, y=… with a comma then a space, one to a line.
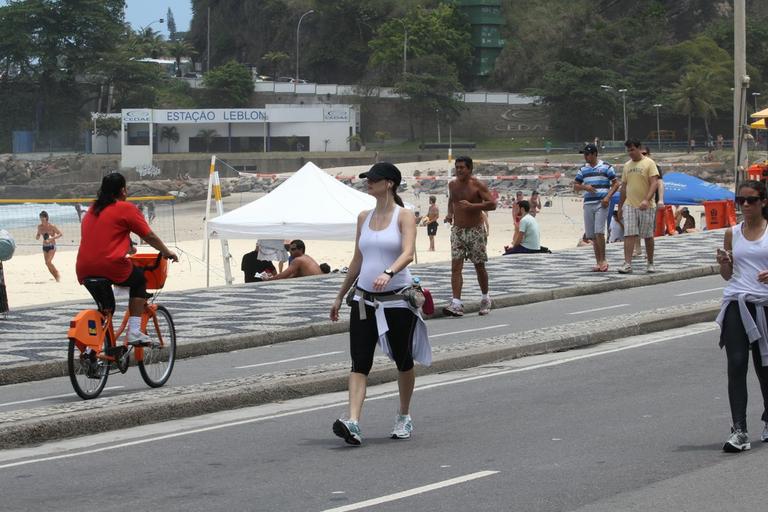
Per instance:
x=747, y=199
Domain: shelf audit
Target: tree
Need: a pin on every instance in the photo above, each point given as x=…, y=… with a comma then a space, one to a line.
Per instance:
x=46, y=48
x=693, y=95
x=230, y=85
x=107, y=127
x=431, y=32
x=208, y=136
x=429, y=90
x=178, y=50
x=171, y=134
x=577, y=105
x=275, y=60
x=150, y=43
x=171, y=24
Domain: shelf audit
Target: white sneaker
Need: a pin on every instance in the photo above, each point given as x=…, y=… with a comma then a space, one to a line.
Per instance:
x=764, y=435
x=403, y=427
x=138, y=338
x=625, y=269
x=485, y=306
x=737, y=442
x=453, y=309
x=651, y=268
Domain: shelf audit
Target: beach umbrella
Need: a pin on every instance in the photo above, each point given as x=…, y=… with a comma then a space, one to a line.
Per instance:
x=761, y=114
x=758, y=125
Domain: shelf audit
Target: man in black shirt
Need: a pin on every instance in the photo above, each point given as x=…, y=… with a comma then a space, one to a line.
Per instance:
x=251, y=265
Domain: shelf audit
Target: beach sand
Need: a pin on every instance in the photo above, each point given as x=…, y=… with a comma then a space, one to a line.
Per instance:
x=29, y=283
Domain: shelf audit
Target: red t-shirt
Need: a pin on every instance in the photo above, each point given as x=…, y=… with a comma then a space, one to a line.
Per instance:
x=105, y=241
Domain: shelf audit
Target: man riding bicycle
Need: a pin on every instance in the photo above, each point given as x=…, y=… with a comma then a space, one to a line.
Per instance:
x=105, y=242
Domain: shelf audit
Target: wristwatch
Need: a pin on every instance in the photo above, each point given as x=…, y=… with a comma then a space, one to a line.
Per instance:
x=390, y=272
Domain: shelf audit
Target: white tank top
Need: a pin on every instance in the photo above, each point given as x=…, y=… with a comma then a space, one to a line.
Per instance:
x=380, y=249
x=749, y=258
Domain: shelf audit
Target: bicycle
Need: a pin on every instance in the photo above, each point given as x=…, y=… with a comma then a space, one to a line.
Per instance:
x=94, y=352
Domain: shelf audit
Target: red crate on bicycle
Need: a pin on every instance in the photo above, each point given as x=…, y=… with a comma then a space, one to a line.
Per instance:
x=155, y=268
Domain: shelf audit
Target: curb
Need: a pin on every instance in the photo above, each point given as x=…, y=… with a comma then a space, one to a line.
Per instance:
x=146, y=407
x=26, y=372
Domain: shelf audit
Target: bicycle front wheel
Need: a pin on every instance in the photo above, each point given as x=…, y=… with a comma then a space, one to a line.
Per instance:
x=156, y=364
x=87, y=374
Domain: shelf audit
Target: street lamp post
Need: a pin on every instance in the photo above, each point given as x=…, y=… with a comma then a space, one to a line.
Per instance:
x=405, y=46
x=298, y=28
x=613, y=131
x=437, y=112
x=161, y=20
x=755, y=95
x=624, y=102
x=657, y=106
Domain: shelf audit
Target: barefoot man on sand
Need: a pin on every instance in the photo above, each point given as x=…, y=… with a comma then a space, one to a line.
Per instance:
x=468, y=198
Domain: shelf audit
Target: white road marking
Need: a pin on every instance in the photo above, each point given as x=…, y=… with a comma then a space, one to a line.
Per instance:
x=469, y=330
x=79, y=449
x=412, y=492
x=324, y=354
x=603, y=308
x=6, y=404
x=699, y=291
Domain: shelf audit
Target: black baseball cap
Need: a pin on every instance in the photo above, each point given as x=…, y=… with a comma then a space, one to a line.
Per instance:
x=589, y=148
x=383, y=171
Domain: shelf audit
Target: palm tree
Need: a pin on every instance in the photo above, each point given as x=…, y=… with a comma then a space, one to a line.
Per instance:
x=150, y=43
x=178, y=50
x=693, y=95
x=207, y=136
x=171, y=134
x=107, y=128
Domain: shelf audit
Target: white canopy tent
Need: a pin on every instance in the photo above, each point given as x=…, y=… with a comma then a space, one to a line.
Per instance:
x=311, y=205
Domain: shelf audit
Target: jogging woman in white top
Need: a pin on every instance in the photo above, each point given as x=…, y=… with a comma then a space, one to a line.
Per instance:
x=744, y=264
x=383, y=249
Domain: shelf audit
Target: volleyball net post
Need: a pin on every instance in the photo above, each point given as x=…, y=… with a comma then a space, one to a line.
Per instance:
x=214, y=189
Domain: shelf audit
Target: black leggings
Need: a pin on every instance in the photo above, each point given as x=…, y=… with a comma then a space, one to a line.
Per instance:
x=737, y=347
x=364, y=334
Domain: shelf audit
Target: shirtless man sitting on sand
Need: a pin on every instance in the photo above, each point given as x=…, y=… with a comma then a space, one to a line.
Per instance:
x=301, y=265
x=468, y=199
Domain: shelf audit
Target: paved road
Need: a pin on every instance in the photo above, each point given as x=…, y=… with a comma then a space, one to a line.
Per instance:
x=632, y=425
x=333, y=350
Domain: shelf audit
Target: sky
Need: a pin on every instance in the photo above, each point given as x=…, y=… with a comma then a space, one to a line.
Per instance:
x=140, y=13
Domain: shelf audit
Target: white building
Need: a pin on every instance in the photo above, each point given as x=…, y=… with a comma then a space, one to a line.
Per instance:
x=145, y=132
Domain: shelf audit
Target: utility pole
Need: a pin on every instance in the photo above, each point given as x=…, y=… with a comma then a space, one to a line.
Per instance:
x=740, y=84
x=208, y=44
x=657, y=106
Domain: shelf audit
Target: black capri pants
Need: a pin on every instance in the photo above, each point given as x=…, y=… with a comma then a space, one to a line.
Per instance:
x=737, y=348
x=364, y=335
x=137, y=283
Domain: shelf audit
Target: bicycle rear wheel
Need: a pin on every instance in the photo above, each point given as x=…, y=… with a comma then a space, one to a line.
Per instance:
x=87, y=374
x=157, y=362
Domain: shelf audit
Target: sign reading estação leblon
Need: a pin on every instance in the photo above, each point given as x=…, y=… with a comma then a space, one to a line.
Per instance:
x=239, y=115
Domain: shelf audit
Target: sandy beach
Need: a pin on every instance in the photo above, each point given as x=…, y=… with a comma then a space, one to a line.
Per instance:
x=29, y=283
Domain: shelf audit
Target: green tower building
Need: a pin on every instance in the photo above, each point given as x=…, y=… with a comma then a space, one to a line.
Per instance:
x=486, y=23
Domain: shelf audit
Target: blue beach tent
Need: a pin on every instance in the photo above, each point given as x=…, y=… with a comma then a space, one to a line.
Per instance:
x=684, y=189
